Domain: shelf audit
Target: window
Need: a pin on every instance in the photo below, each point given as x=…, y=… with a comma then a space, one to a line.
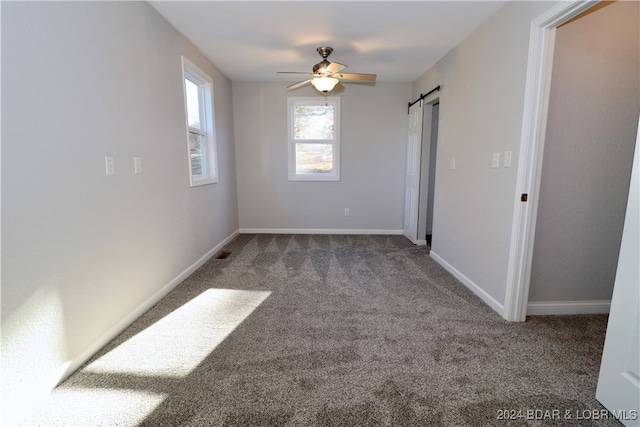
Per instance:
x=201, y=142
x=314, y=139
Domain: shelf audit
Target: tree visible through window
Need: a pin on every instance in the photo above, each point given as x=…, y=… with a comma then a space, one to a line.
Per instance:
x=314, y=139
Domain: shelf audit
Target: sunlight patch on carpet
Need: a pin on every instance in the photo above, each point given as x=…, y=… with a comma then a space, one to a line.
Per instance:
x=82, y=407
x=176, y=344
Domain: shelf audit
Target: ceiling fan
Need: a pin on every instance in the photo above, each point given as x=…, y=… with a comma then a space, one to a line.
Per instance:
x=326, y=75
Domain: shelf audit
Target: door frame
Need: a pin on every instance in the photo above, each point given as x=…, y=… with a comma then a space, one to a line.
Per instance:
x=532, y=138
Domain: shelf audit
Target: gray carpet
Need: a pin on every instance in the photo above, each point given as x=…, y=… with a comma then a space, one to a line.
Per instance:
x=299, y=330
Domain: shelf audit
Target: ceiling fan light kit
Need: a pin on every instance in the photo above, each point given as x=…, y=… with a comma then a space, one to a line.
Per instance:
x=324, y=84
x=326, y=75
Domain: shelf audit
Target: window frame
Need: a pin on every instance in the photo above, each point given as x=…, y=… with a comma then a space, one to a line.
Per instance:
x=335, y=142
x=209, y=149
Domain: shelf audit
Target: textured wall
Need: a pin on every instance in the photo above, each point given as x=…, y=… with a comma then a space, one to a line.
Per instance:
x=81, y=251
x=591, y=131
x=373, y=132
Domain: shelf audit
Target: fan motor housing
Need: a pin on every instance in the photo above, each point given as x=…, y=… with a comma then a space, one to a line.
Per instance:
x=324, y=52
x=320, y=67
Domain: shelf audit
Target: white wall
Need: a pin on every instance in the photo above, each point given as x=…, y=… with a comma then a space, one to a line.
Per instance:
x=373, y=137
x=591, y=129
x=83, y=253
x=481, y=105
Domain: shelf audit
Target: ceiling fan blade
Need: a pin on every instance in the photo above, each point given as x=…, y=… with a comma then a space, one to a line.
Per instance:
x=299, y=84
x=357, y=77
x=292, y=74
x=334, y=67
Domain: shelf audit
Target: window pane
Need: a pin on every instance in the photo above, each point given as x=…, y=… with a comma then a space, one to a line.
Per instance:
x=313, y=122
x=196, y=148
x=193, y=103
x=314, y=158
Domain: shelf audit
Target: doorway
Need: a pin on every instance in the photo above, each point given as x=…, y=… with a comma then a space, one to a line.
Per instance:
x=539, y=70
x=420, y=173
x=428, y=170
x=541, y=54
x=586, y=164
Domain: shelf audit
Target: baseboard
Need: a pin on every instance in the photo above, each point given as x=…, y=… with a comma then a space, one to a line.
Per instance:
x=316, y=231
x=484, y=296
x=74, y=363
x=547, y=308
x=421, y=243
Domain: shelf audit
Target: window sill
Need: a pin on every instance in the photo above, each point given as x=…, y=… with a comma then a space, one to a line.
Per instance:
x=314, y=178
x=203, y=181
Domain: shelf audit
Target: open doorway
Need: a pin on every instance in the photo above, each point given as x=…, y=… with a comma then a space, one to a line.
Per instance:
x=586, y=167
x=428, y=170
x=422, y=140
x=619, y=381
x=539, y=71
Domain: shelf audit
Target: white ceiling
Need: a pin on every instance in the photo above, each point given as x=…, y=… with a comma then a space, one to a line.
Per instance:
x=397, y=40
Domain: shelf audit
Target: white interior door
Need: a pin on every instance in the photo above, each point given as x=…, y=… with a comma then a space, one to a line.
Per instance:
x=412, y=177
x=619, y=381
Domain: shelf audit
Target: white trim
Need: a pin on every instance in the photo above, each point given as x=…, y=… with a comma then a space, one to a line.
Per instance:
x=421, y=243
x=68, y=367
x=316, y=231
x=568, y=307
x=481, y=293
x=534, y=121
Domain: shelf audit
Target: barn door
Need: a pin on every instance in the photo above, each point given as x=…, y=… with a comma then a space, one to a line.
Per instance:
x=412, y=177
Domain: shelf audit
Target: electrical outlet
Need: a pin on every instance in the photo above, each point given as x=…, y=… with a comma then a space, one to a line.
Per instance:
x=346, y=212
x=496, y=160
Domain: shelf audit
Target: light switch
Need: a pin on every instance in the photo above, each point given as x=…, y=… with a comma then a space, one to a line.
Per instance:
x=453, y=163
x=507, y=159
x=109, y=165
x=496, y=160
x=137, y=165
